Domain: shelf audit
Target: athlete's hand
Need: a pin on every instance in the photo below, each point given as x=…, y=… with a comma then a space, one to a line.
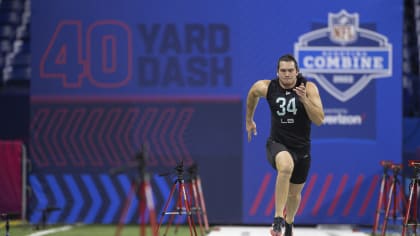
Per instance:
x=301, y=92
x=251, y=128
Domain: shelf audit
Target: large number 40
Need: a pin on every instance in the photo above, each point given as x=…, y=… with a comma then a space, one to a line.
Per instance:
x=286, y=106
x=104, y=56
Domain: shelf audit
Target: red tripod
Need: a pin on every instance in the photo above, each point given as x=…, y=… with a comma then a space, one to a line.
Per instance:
x=140, y=186
x=198, y=204
x=413, y=199
x=183, y=206
x=396, y=195
x=382, y=194
x=144, y=193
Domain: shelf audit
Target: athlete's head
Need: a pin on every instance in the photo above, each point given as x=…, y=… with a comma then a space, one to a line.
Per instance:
x=287, y=71
x=287, y=58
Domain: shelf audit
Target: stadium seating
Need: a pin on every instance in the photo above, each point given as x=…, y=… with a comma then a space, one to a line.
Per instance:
x=15, y=59
x=411, y=46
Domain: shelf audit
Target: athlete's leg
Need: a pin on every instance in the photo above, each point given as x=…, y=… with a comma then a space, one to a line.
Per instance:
x=293, y=201
x=284, y=166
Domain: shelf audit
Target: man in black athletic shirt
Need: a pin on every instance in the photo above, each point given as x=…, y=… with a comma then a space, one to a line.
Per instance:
x=294, y=104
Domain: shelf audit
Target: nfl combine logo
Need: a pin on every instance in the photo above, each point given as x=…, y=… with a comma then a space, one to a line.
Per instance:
x=343, y=57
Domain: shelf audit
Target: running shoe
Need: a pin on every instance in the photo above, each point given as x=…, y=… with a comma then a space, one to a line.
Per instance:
x=277, y=225
x=288, y=231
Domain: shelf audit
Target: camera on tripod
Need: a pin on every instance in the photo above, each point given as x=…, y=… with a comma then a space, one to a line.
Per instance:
x=189, y=202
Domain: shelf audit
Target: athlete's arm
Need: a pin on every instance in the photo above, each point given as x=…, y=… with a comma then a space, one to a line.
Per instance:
x=258, y=89
x=311, y=100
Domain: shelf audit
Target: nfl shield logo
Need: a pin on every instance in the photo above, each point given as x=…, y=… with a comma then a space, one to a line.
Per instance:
x=343, y=27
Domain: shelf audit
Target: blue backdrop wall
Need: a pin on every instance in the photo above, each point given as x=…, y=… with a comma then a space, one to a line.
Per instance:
x=110, y=77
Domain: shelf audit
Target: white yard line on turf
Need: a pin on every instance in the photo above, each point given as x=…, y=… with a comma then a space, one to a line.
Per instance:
x=51, y=231
x=258, y=231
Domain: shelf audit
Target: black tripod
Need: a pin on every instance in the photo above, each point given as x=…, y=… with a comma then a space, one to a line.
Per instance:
x=7, y=217
x=183, y=203
x=45, y=212
x=7, y=227
x=140, y=186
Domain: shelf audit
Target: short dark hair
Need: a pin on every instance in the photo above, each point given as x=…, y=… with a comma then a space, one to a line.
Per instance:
x=287, y=57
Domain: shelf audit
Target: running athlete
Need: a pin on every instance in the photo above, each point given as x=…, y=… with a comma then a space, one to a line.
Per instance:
x=294, y=104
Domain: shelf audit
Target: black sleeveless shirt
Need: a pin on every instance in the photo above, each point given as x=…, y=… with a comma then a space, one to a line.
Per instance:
x=290, y=124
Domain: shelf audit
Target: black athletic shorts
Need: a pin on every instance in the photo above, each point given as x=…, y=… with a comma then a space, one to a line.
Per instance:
x=302, y=161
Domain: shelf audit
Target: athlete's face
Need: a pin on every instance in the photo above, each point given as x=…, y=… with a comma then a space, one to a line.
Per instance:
x=287, y=74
